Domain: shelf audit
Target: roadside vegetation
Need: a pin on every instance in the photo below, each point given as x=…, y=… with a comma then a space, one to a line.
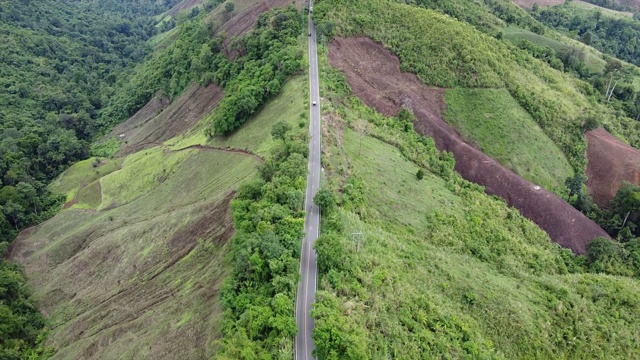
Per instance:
x=441, y=268
x=269, y=220
x=460, y=273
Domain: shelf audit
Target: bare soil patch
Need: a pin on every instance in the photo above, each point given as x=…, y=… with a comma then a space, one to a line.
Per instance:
x=148, y=112
x=610, y=162
x=144, y=131
x=244, y=20
x=374, y=74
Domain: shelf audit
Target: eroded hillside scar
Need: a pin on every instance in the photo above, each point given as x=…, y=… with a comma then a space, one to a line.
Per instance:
x=374, y=75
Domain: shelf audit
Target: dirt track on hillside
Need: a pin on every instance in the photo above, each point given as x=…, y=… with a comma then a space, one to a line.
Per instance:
x=610, y=163
x=146, y=128
x=374, y=75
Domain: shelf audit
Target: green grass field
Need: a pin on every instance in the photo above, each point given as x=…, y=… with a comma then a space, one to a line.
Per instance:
x=82, y=174
x=605, y=11
x=389, y=178
x=495, y=123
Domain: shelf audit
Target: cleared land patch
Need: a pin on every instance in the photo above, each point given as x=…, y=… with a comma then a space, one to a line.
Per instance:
x=82, y=174
x=146, y=129
x=129, y=282
x=611, y=162
x=374, y=75
x=495, y=123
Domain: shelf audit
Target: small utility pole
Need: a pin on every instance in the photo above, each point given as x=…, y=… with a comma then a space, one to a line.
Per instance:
x=356, y=238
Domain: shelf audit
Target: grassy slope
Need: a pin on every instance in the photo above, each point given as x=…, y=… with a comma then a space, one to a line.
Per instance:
x=447, y=53
x=456, y=274
x=157, y=245
x=82, y=174
x=605, y=11
x=497, y=124
x=446, y=271
x=562, y=45
x=255, y=134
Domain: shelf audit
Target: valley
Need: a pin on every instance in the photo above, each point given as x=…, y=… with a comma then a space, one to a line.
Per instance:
x=372, y=179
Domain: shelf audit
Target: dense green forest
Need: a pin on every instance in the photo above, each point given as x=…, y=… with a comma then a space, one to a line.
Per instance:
x=59, y=63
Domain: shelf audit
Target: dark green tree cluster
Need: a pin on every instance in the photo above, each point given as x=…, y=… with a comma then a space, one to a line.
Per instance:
x=59, y=62
x=617, y=36
x=21, y=323
x=269, y=219
x=270, y=54
x=620, y=256
x=195, y=55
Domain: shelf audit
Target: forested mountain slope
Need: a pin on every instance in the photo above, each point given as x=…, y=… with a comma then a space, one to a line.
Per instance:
x=177, y=234
x=58, y=64
x=141, y=246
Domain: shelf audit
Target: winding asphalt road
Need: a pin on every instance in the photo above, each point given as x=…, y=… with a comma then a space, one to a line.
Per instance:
x=308, y=267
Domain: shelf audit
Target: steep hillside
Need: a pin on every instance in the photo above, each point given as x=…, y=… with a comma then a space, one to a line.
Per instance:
x=564, y=224
x=137, y=270
x=417, y=262
x=134, y=265
x=441, y=269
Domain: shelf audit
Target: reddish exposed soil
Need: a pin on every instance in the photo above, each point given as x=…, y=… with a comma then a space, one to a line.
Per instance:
x=243, y=21
x=528, y=4
x=184, y=5
x=144, y=130
x=610, y=163
x=374, y=75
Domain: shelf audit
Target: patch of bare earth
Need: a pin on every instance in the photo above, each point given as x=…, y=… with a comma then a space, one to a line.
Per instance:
x=245, y=20
x=148, y=129
x=610, y=162
x=111, y=304
x=374, y=74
